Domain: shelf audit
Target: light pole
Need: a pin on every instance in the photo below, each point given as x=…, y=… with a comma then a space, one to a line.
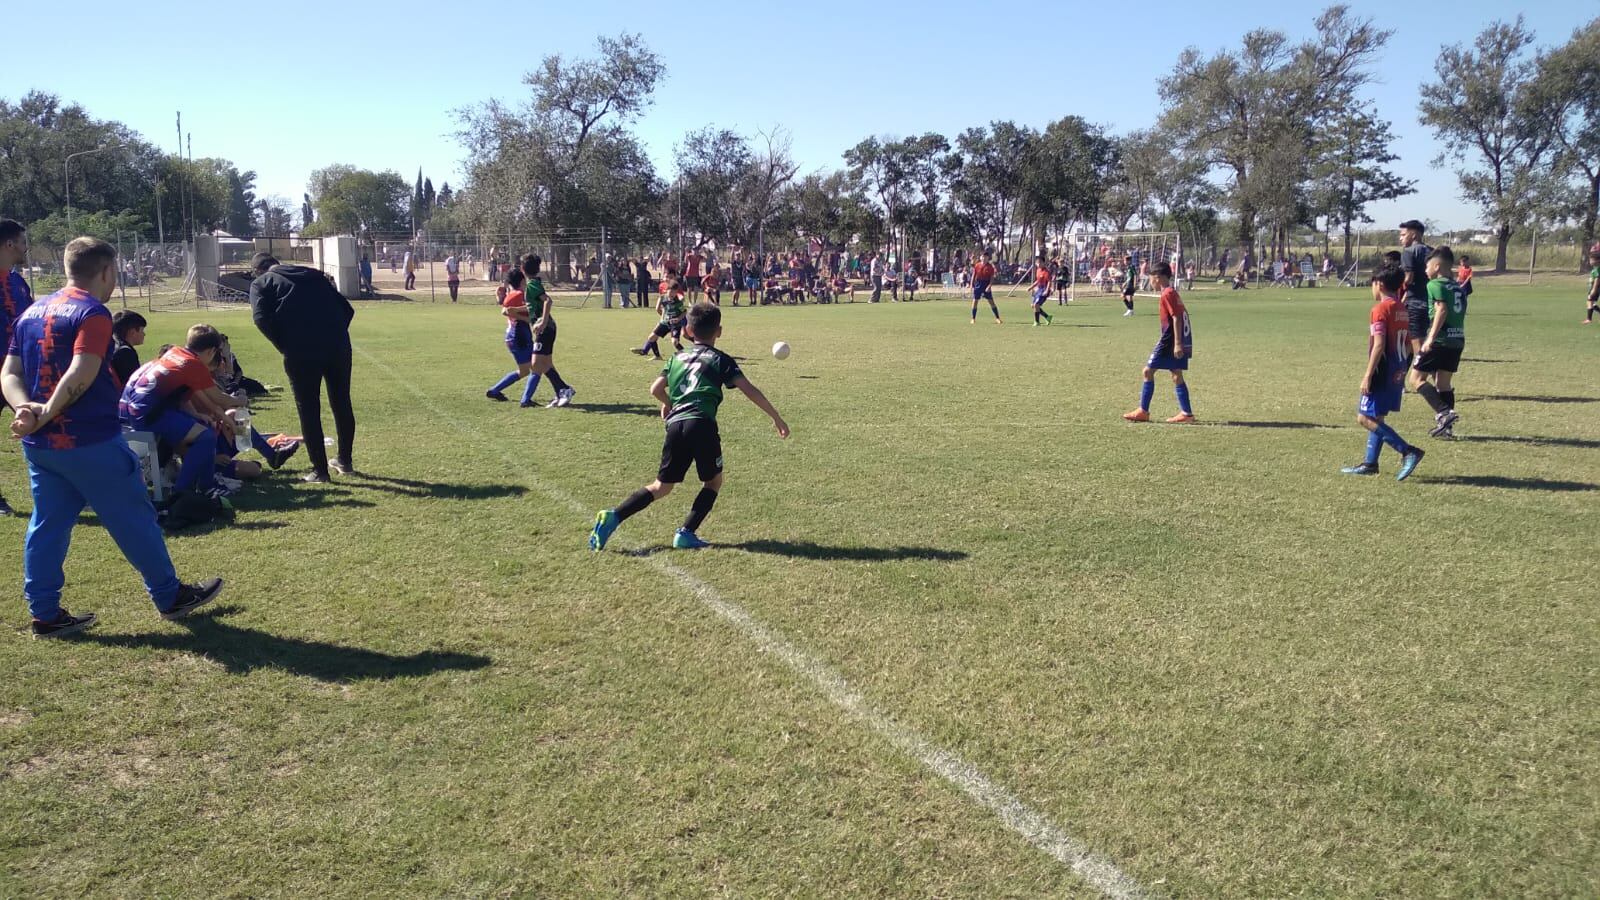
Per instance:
x=66, y=176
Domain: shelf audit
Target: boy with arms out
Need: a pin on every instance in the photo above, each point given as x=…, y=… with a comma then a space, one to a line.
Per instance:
x=1440, y=352
x=1172, y=351
x=689, y=390
x=669, y=304
x=1383, y=382
x=1041, y=290
x=982, y=276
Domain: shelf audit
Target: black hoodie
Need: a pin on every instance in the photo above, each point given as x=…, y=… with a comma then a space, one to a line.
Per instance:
x=300, y=312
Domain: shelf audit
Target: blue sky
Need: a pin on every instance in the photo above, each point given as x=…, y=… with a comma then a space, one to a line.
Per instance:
x=376, y=85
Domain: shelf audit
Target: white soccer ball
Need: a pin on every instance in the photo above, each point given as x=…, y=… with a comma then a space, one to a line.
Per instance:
x=780, y=350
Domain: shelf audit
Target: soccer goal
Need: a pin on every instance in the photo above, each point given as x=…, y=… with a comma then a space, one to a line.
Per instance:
x=1100, y=259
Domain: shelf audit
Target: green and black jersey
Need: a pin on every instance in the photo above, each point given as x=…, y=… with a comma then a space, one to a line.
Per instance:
x=1594, y=285
x=695, y=379
x=1446, y=291
x=535, y=294
x=671, y=309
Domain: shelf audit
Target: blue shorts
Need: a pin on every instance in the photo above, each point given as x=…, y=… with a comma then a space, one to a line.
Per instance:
x=521, y=347
x=172, y=426
x=752, y=282
x=980, y=291
x=1380, y=403
x=1039, y=295
x=1162, y=358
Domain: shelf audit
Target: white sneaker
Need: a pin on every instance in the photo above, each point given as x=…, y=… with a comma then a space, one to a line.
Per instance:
x=1127, y=314
x=564, y=398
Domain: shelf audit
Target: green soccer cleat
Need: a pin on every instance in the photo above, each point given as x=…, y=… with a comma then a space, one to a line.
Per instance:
x=605, y=522
x=685, y=539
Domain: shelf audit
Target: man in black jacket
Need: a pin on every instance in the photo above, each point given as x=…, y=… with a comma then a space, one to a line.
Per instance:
x=302, y=314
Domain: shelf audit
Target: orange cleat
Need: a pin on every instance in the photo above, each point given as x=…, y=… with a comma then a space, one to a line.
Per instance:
x=1182, y=418
x=1137, y=415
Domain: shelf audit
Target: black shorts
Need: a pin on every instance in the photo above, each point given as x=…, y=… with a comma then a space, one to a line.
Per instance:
x=1418, y=313
x=688, y=441
x=1440, y=359
x=663, y=329
x=544, y=343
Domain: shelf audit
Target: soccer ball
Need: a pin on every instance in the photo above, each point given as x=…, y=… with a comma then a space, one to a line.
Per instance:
x=780, y=350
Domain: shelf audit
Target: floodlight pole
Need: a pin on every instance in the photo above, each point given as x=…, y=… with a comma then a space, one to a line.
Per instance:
x=66, y=177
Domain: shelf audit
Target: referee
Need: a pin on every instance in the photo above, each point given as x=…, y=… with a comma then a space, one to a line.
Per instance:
x=301, y=313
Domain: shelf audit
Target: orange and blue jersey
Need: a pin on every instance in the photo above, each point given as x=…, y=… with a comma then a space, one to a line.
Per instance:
x=982, y=274
x=1175, y=323
x=1390, y=327
x=46, y=337
x=15, y=298
x=161, y=384
x=1041, y=279
x=516, y=328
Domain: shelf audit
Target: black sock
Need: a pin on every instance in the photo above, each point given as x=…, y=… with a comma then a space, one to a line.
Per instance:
x=556, y=380
x=1128, y=304
x=1449, y=398
x=635, y=503
x=1429, y=393
x=1590, y=314
x=703, y=502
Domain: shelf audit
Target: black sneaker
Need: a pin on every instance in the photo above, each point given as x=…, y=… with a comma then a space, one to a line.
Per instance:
x=65, y=625
x=1443, y=422
x=282, y=455
x=5, y=509
x=495, y=396
x=1365, y=468
x=193, y=596
x=638, y=351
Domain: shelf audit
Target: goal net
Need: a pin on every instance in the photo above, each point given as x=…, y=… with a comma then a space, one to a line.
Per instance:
x=1101, y=259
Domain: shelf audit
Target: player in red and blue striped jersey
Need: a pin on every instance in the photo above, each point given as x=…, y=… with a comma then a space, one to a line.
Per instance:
x=1383, y=383
x=1172, y=352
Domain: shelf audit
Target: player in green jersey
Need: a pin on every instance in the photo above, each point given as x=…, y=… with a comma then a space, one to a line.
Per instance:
x=689, y=390
x=671, y=307
x=1594, y=288
x=1440, y=354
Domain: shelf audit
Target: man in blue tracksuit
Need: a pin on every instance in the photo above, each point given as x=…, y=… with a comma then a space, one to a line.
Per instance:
x=58, y=378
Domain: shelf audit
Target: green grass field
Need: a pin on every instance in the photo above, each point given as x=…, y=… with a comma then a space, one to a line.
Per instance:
x=1199, y=651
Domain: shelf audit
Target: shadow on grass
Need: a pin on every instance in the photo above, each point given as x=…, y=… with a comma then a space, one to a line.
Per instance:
x=1581, y=443
x=1502, y=481
x=810, y=550
x=1267, y=424
x=1470, y=360
x=411, y=487
x=619, y=409
x=1530, y=398
x=242, y=650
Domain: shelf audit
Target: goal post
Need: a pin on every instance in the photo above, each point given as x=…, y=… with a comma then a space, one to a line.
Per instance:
x=1099, y=258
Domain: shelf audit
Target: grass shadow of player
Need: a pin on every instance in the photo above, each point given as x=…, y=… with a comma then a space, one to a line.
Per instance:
x=619, y=409
x=443, y=490
x=1529, y=398
x=1267, y=424
x=811, y=550
x=1481, y=361
x=242, y=650
x=1503, y=481
x=1531, y=441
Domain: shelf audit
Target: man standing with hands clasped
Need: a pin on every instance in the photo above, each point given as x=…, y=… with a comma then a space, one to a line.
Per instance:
x=302, y=314
x=58, y=378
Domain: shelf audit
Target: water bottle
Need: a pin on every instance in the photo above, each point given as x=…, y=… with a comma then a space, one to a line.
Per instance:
x=241, y=429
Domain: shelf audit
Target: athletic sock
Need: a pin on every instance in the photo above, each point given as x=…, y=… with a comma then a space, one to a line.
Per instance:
x=1590, y=314
x=508, y=381
x=1392, y=438
x=1147, y=392
x=1449, y=398
x=1374, y=447
x=1430, y=394
x=1128, y=304
x=635, y=504
x=1182, y=390
x=994, y=309
x=260, y=445
x=530, y=387
x=556, y=380
x=703, y=502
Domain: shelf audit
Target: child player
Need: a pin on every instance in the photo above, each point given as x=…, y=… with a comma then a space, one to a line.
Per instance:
x=982, y=276
x=689, y=390
x=669, y=304
x=1594, y=288
x=712, y=284
x=544, y=336
x=1172, y=351
x=519, y=336
x=1130, y=283
x=1041, y=290
x=1439, y=355
x=1383, y=382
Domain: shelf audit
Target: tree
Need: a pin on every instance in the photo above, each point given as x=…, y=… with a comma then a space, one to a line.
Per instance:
x=38, y=134
x=1067, y=173
x=1485, y=110
x=274, y=216
x=445, y=195
x=903, y=177
x=348, y=200
x=987, y=178
x=1247, y=113
x=1566, y=95
x=1349, y=172
x=712, y=163
x=241, y=203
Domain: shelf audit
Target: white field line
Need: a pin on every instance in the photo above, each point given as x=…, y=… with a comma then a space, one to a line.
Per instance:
x=1036, y=828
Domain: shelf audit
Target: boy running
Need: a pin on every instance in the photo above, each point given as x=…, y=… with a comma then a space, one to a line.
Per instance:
x=1441, y=349
x=712, y=284
x=1172, y=351
x=669, y=304
x=689, y=390
x=1130, y=283
x=1383, y=383
x=1041, y=291
x=1594, y=288
x=982, y=276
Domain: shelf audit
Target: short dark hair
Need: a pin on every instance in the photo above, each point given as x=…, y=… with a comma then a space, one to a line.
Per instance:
x=202, y=338
x=1392, y=278
x=1413, y=225
x=530, y=265
x=1444, y=255
x=87, y=257
x=705, y=318
x=10, y=230
x=515, y=279
x=125, y=320
x=1465, y=259
x=1393, y=256
x=262, y=260
x=1161, y=270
